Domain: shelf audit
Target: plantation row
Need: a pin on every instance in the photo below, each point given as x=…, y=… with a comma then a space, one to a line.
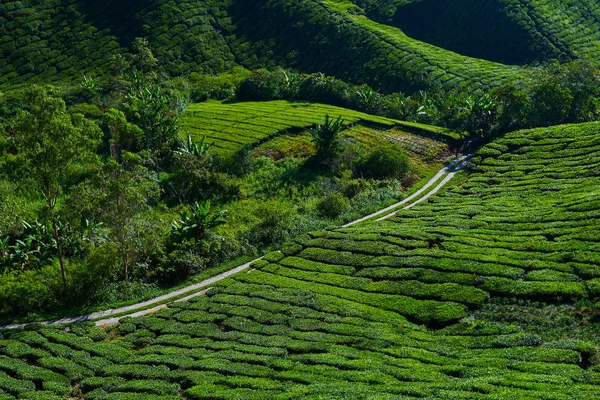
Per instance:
x=342, y=313
x=43, y=41
x=272, y=340
x=573, y=29
x=354, y=48
x=230, y=126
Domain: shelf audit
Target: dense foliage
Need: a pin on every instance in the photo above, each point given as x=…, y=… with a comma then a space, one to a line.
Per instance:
x=106, y=200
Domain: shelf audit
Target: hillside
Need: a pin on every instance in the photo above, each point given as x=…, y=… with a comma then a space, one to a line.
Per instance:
x=398, y=45
x=507, y=31
x=229, y=126
x=486, y=291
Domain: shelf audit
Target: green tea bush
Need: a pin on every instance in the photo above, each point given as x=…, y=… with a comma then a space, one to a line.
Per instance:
x=70, y=369
x=263, y=85
x=149, y=386
x=333, y=205
x=15, y=386
x=386, y=162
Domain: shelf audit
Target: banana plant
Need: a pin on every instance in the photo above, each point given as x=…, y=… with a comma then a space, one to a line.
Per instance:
x=196, y=149
x=366, y=94
x=197, y=222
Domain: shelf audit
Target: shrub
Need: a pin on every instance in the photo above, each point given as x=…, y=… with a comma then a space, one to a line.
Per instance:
x=333, y=205
x=263, y=84
x=326, y=137
x=275, y=226
x=30, y=291
x=386, y=162
x=180, y=264
x=353, y=187
x=324, y=89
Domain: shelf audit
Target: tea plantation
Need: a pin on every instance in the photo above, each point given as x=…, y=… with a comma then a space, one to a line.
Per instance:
x=383, y=43
x=485, y=292
x=230, y=126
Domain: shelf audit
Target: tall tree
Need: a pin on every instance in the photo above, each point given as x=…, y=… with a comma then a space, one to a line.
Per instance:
x=117, y=196
x=53, y=142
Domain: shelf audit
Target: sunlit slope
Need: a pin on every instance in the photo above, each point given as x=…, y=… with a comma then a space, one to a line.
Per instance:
x=395, y=309
x=230, y=126
x=333, y=37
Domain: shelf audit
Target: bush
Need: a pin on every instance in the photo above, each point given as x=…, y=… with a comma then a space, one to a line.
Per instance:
x=30, y=291
x=353, y=187
x=263, y=84
x=386, y=162
x=324, y=89
x=333, y=205
x=278, y=223
x=180, y=264
x=124, y=291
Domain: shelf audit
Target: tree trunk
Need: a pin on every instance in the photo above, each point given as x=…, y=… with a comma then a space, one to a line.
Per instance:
x=125, y=262
x=61, y=258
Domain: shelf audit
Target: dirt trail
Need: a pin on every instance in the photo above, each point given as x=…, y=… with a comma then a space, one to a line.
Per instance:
x=444, y=171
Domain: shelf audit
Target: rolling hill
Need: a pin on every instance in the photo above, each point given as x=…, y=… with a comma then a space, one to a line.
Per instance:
x=486, y=291
x=229, y=126
x=394, y=45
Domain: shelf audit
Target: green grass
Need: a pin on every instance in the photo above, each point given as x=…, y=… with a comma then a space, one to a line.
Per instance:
x=485, y=291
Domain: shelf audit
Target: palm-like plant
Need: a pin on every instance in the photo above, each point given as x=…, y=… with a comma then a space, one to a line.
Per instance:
x=198, y=223
x=366, y=94
x=325, y=135
x=196, y=149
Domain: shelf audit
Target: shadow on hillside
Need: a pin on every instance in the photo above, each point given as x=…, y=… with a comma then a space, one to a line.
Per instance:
x=122, y=18
x=481, y=30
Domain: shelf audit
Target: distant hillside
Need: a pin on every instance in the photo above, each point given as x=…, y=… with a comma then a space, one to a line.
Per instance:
x=381, y=42
x=507, y=31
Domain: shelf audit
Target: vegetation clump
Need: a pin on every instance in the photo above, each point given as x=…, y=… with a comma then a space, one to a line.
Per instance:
x=386, y=162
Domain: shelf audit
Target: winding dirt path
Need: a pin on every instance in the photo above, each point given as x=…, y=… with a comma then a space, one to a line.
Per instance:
x=447, y=178
x=101, y=316
x=113, y=316
x=444, y=171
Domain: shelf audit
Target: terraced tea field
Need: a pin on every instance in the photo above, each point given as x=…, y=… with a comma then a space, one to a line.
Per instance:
x=404, y=308
x=465, y=45
x=362, y=137
x=231, y=126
